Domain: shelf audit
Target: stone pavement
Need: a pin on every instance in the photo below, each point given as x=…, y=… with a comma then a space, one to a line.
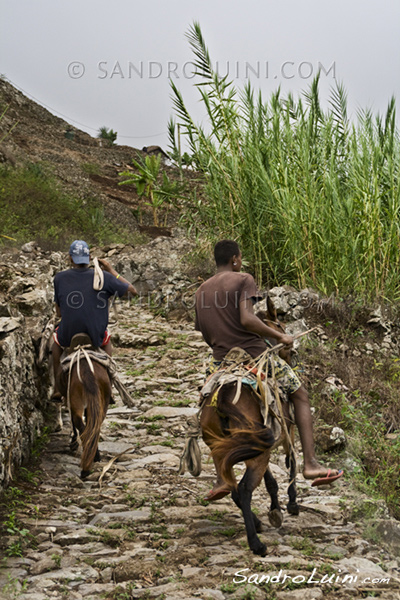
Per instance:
x=139, y=530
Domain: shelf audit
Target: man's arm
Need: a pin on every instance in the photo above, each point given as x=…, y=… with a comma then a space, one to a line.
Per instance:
x=58, y=311
x=252, y=323
x=107, y=267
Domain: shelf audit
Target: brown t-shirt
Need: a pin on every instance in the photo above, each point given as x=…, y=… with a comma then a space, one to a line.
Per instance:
x=218, y=313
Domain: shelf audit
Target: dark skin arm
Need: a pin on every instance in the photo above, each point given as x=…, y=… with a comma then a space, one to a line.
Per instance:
x=107, y=267
x=252, y=323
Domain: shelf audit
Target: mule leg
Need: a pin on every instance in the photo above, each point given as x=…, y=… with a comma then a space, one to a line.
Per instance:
x=275, y=514
x=73, y=444
x=59, y=421
x=292, y=506
x=77, y=426
x=256, y=520
x=251, y=479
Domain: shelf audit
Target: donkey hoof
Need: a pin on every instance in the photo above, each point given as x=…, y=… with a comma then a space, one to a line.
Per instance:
x=275, y=517
x=85, y=474
x=293, y=508
x=258, y=526
x=260, y=549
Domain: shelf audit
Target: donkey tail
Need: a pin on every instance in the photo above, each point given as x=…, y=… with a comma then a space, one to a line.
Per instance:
x=240, y=445
x=246, y=440
x=95, y=415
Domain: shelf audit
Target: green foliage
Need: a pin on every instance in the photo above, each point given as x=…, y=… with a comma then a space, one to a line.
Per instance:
x=378, y=457
x=107, y=134
x=312, y=198
x=123, y=593
x=57, y=559
x=32, y=207
x=156, y=186
x=304, y=545
x=13, y=527
x=90, y=168
x=40, y=442
x=13, y=589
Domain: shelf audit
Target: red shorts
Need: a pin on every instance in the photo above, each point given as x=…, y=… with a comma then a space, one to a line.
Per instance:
x=105, y=341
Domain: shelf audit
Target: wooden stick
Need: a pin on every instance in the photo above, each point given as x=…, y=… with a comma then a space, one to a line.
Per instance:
x=295, y=337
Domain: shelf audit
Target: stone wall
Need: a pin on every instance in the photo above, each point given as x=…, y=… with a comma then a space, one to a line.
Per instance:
x=22, y=396
x=25, y=307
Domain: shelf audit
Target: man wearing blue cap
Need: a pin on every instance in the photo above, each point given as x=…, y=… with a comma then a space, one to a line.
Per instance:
x=82, y=307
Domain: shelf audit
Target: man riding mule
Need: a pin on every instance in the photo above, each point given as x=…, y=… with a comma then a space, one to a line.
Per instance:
x=83, y=305
x=225, y=317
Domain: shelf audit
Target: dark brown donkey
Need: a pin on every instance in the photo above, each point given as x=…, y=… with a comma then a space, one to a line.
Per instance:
x=89, y=395
x=236, y=433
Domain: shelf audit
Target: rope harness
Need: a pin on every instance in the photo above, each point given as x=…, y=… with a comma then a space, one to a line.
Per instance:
x=86, y=351
x=75, y=357
x=236, y=366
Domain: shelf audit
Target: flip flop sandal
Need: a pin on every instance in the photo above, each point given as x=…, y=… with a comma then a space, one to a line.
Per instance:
x=327, y=479
x=217, y=495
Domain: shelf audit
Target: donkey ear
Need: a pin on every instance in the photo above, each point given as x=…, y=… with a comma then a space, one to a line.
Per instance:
x=271, y=309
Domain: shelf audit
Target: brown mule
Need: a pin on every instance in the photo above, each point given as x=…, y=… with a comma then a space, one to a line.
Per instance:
x=89, y=395
x=236, y=433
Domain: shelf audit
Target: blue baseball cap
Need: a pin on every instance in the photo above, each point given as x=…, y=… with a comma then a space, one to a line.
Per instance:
x=79, y=252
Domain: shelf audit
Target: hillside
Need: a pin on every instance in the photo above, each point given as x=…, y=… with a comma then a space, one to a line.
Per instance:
x=83, y=167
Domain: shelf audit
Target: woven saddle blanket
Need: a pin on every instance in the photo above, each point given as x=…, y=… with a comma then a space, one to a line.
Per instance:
x=237, y=368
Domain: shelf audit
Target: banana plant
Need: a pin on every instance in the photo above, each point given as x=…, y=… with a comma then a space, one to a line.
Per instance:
x=147, y=182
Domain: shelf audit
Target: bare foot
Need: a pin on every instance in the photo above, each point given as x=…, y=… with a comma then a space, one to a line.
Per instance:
x=314, y=470
x=220, y=490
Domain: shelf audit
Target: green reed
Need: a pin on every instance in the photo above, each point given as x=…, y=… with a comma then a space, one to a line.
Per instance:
x=312, y=197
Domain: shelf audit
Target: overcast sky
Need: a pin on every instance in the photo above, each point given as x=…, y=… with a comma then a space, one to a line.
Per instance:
x=102, y=63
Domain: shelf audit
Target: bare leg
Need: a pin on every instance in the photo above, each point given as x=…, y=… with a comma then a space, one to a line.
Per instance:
x=303, y=418
x=56, y=352
x=220, y=488
x=108, y=348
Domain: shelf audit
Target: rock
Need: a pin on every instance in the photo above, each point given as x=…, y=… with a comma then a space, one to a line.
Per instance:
x=330, y=438
x=169, y=412
x=303, y=594
x=8, y=324
x=389, y=530
x=30, y=596
x=116, y=447
x=214, y=594
x=378, y=321
x=81, y=536
x=21, y=416
x=362, y=567
x=33, y=301
x=165, y=459
x=191, y=571
x=29, y=247
x=134, y=515
x=77, y=573
x=43, y=566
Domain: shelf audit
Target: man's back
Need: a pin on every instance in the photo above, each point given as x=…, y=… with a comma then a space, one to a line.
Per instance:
x=83, y=309
x=218, y=313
